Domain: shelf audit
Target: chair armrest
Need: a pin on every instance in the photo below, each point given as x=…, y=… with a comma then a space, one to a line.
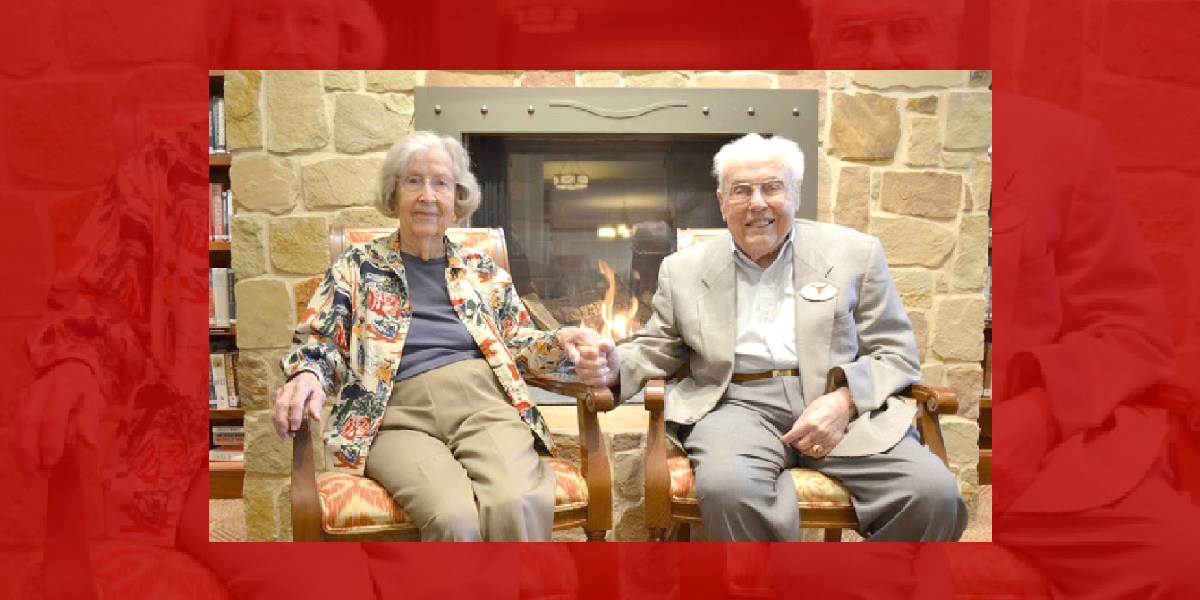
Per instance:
x=306, y=503
x=658, y=479
x=932, y=401
x=593, y=452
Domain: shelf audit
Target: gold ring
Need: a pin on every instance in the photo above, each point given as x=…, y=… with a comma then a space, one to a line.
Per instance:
x=816, y=448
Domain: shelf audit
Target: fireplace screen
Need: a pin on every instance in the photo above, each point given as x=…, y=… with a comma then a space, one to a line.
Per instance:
x=591, y=185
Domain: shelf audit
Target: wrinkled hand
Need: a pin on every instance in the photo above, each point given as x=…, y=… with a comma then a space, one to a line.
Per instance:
x=1018, y=451
x=64, y=407
x=822, y=423
x=302, y=392
x=595, y=358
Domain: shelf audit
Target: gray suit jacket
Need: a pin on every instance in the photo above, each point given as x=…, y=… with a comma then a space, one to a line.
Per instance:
x=860, y=338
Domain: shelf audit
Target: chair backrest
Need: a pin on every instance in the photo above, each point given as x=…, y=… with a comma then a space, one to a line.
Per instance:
x=690, y=237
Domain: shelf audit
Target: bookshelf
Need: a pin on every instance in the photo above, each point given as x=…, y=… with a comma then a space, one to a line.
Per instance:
x=224, y=477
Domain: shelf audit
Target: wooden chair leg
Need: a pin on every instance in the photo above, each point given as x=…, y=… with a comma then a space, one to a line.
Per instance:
x=683, y=532
x=833, y=535
x=595, y=535
x=657, y=534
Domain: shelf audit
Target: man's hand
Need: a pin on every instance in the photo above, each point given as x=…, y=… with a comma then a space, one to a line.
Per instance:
x=595, y=358
x=822, y=424
x=302, y=392
x=64, y=406
x=1018, y=452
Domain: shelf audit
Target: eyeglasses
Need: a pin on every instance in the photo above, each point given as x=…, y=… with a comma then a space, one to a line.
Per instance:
x=742, y=193
x=412, y=184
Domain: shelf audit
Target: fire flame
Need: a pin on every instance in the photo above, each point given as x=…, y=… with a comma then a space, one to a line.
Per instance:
x=617, y=325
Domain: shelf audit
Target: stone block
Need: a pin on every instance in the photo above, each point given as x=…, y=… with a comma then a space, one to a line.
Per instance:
x=364, y=122
x=864, y=127
x=923, y=104
x=924, y=142
x=628, y=478
x=968, y=120
x=259, y=375
x=969, y=268
x=342, y=182
x=957, y=160
x=392, y=81
x=967, y=380
x=920, y=324
x=915, y=287
x=981, y=184
x=303, y=291
x=243, y=120
x=32, y=33
x=266, y=452
x=262, y=182
x=265, y=318
x=110, y=32
x=295, y=111
x=824, y=189
x=803, y=80
x=655, y=79
x=626, y=441
x=362, y=217
x=980, y=79
x=962, y=440
x=267, y=502
x=629, y=525
x=298, y=245
x=922, y=193
x=341, y=81
x=838, y=79
x=249, y=255
x=933, y=373
x=470, y=78
x=601, y=79
x=910, y=241
x=60, y=133
x=958, y=328
x=548, y=79
x=853, y=205
x=737, y=80
x=880, y=80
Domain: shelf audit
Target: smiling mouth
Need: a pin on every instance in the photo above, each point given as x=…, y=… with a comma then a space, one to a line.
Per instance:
x=760, y=223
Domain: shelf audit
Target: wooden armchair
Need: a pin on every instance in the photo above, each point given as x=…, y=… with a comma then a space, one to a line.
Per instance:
x=824, y=504
x=330, y=506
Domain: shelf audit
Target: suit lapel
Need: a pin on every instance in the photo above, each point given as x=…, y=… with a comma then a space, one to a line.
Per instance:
x=814, y=320
x=717, y=302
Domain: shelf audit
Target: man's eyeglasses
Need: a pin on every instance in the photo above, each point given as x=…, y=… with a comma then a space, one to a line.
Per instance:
x=441, y=186
x=742, y=193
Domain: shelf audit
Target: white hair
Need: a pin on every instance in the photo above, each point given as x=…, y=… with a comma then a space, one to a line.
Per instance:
x=756, y=146
x=466, y=198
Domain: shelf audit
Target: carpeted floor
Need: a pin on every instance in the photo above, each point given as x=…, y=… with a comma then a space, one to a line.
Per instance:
x=227, y=523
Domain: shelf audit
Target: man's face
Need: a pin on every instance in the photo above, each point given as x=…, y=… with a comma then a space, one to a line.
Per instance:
x=884, y=34
x=758, y=205
x=285, y=34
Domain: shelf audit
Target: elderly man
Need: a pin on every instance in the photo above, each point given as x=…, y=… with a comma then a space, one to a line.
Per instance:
x=797, y=344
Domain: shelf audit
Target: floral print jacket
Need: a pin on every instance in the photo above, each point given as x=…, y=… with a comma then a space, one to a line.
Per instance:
x=352, y=335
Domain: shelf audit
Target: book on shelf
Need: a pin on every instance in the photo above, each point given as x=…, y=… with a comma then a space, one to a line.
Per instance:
x=230, y=437
x=987, y=368
x=220, y=297
x=220, y=210
x=222, y=389
x=216, y=125
x=220, y=455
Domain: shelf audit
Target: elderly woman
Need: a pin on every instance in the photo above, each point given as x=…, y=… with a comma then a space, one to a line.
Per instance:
x=427, y=341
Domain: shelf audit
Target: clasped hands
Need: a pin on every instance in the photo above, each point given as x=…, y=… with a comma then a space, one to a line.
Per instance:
x=821, y=426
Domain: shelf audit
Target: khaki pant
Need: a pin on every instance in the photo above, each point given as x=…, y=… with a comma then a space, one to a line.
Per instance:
x=460, y=461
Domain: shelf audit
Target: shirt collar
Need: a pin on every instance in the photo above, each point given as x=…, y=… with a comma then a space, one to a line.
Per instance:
x=743, y=259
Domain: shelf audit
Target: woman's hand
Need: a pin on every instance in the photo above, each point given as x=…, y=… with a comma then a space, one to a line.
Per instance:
x=595, y=358
x=302, y=392
x=64, y=407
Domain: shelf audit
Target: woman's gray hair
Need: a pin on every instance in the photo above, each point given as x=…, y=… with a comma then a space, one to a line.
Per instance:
x=466, y=198
x=756, y=146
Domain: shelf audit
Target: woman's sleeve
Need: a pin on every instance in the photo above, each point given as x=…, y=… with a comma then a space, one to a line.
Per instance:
x=321, y=343
x=533, y=350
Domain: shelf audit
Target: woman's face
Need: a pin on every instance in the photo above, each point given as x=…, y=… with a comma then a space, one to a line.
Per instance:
x=425, y=194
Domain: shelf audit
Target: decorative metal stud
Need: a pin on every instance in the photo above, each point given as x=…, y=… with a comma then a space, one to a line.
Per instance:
x=529, y=109
x=795, y=111
x=750, y=111
x=704, y=110
x=483, y=109
x=437, y=109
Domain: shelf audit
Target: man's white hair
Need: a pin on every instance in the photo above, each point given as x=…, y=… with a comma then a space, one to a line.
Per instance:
x=753, y=146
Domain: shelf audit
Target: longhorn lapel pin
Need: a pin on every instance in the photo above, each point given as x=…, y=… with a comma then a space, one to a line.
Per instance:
x=818, y=292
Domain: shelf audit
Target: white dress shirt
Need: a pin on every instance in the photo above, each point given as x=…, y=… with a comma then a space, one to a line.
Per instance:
x=766, y=313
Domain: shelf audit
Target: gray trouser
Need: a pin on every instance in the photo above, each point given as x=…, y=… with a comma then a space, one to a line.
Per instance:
x=460, y=461
x=903, y=494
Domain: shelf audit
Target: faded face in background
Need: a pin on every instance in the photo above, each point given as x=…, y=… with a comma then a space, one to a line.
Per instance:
x=761, y=222
x=284, y=34
x=423, y=212
x=885, y=34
